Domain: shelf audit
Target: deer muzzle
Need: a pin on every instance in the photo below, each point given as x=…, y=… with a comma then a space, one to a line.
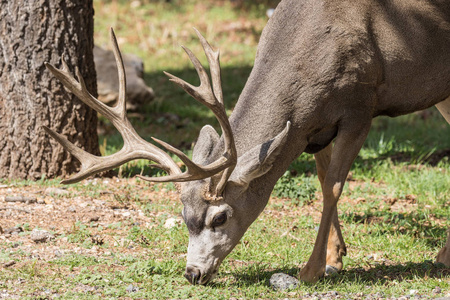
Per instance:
x=195, y=275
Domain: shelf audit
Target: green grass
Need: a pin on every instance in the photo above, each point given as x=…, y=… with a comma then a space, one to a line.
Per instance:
x=391, y=247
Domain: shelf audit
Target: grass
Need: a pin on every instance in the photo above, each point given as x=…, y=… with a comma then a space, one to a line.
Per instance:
x=394, y=208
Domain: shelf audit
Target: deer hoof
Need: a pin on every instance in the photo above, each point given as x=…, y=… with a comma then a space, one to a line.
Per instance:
x=329, y=270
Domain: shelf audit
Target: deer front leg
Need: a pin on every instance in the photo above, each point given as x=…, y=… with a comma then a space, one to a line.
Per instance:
x=444, y=255
x=336, y=246
x=349, y=140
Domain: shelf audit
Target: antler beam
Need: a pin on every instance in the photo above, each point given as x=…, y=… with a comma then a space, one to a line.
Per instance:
x=134, y=146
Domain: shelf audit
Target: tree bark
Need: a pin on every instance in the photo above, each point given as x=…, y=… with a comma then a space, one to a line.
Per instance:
x=31, y=33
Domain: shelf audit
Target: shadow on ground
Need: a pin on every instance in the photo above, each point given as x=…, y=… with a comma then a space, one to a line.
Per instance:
x=380, y=274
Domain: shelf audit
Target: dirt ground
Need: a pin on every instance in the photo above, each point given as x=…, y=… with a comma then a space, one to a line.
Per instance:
x=101, y=203
x=45, y=212
x=63, y=210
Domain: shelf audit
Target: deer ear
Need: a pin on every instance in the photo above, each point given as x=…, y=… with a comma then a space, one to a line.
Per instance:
x=207, y=140
x=260, y=159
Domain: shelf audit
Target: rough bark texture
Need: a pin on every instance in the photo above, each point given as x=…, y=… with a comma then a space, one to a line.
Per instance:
x=31, y=33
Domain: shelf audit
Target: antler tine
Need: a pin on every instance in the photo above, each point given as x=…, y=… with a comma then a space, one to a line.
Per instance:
x=117, y=113
x=213, y=99
x=213, y=60
x=121, y=101
x=230, y=148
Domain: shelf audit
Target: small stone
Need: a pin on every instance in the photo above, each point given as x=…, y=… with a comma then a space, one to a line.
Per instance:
x=135, y=4
x=333, y=293
x=132, y=289
x=171, y=223
x=56, y=191
x=281, y=281
x=97, y=239
x=9, y=264
x=13, y=230
x=437, y=290
x=93, y=218
x=24, y=199
x=41, y=236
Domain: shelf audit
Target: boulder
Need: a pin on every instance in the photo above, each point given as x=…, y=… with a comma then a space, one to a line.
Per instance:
x=138, y=92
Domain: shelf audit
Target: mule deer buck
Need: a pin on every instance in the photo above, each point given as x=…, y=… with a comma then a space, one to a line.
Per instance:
x=323, y=71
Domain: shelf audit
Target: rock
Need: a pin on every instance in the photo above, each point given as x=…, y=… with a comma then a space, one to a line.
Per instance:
x=171, y=223
x=132, y=289
x=12, y=230
x=41, y=236
x=94, y=218
x=52, y=191
x=9, y=264
x=332, y=294
x=281, y=281
x=108, y=81
x=437, y=290
x=97, y=239
x=23, y=199
x=412, y=292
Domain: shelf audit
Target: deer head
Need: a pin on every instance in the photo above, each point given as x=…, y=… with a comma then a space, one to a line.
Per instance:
x=215, y=186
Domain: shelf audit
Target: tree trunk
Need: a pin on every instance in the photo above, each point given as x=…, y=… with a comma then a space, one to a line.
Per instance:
x=31, y=33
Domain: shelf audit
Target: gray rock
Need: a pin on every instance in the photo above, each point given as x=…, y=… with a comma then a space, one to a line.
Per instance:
x=13, y=230
x=132, y=289
x=53, y=191
x=108, y=81
x=281, y=281
x=41, y=236
x=9, y=264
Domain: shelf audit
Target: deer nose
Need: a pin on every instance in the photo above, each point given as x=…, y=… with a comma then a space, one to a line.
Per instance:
x=192, y=274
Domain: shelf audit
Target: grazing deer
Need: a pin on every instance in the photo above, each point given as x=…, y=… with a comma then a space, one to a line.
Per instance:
x=323, y=71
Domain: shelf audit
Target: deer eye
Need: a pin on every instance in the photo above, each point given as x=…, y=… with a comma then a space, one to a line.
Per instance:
x=219, y=219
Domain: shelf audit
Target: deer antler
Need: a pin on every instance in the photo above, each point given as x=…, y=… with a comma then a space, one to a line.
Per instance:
x=213, y=99
x=134, y=146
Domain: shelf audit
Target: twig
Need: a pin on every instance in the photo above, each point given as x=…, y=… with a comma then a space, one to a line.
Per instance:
x=23, y=199
x=15, y=208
